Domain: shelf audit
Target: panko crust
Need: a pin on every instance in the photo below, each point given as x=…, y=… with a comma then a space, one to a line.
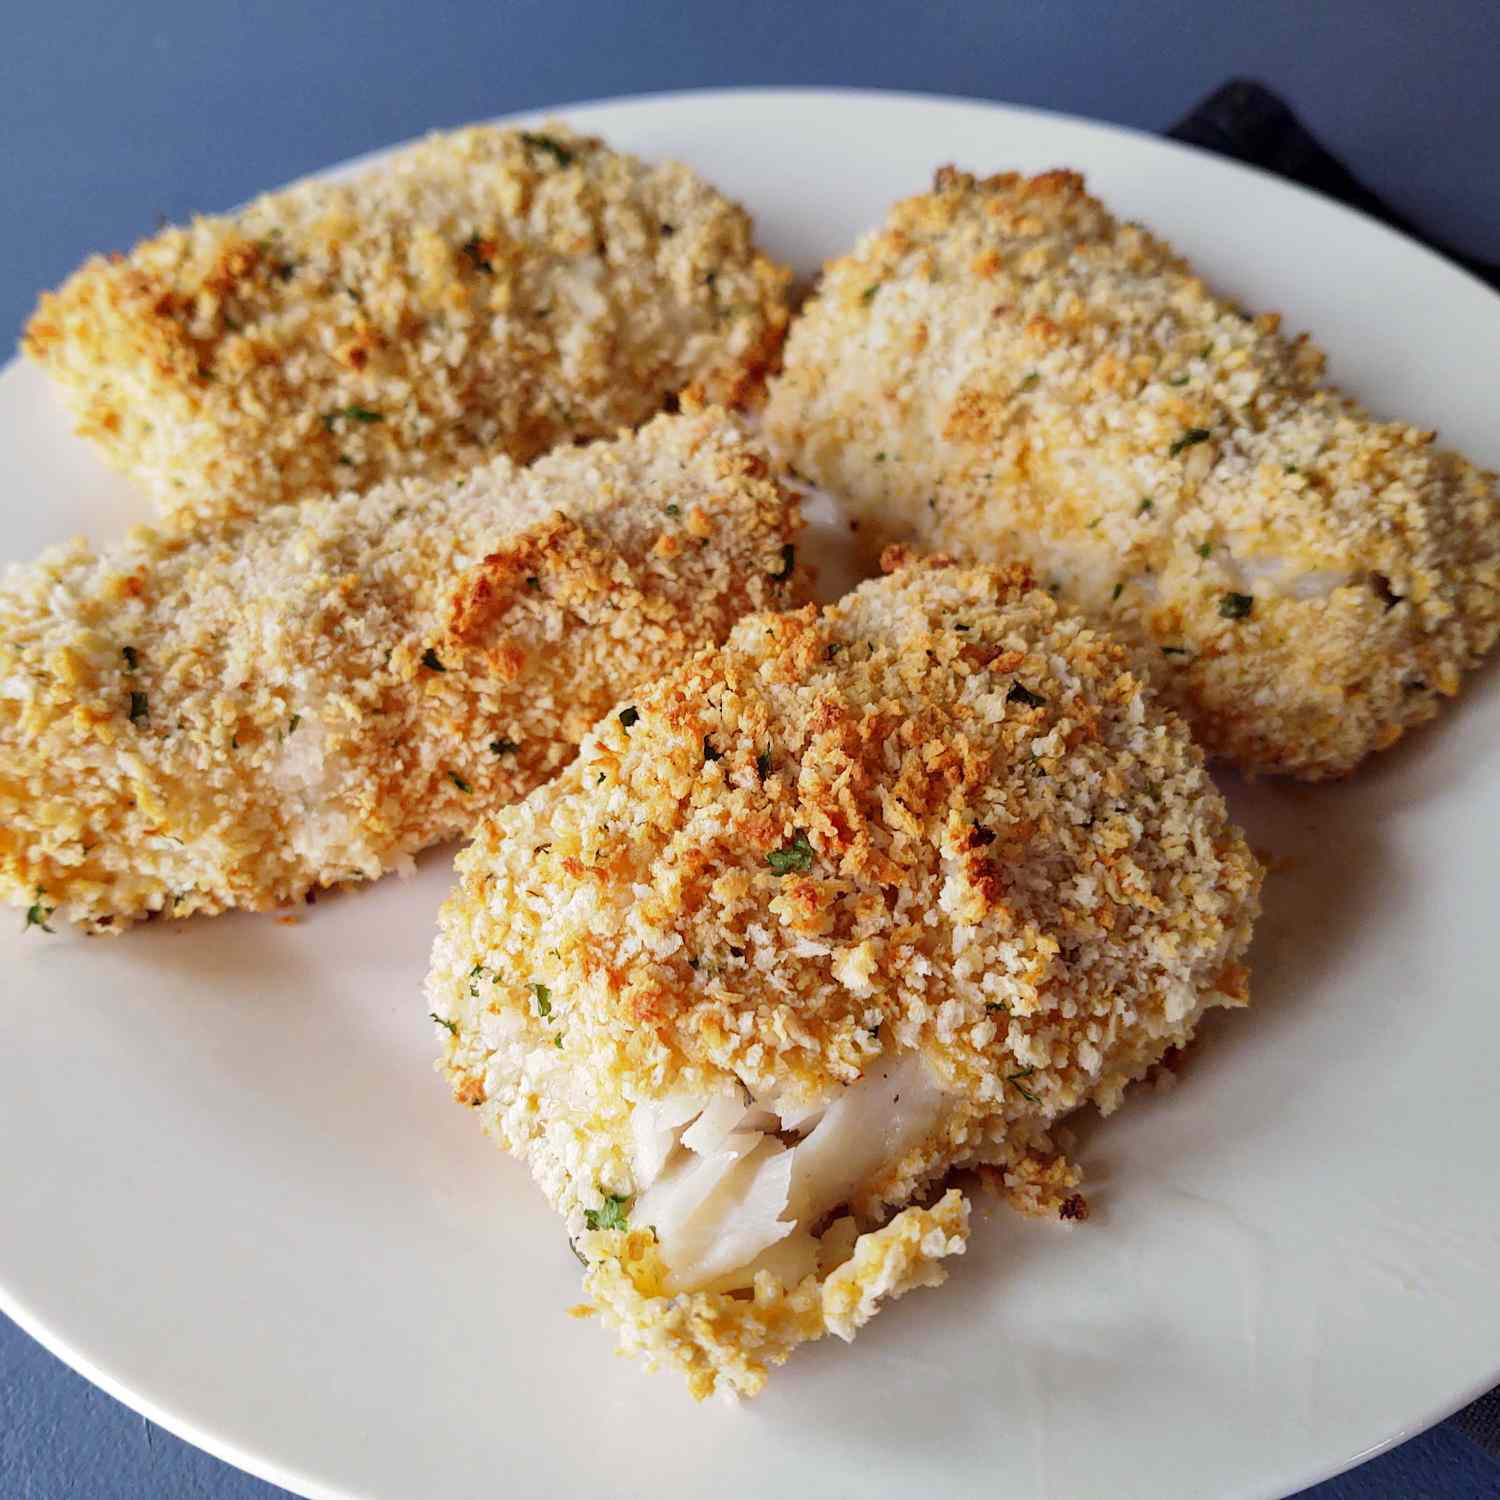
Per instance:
x=1004, y=370
x=938, y=817
x=723, y=1344
x=489, y=291
x=309, y=696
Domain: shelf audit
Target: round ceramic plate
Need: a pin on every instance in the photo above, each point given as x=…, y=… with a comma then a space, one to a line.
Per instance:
x=237, y=1196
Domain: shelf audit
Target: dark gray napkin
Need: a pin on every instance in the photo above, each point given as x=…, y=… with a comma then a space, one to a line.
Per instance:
x=1248, y=122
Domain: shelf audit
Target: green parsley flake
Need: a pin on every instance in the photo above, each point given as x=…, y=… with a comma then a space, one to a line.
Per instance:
x=794, y=857
x=553, y=148
x=1188, y=439
x=1030, y=380
x=1021, y=1089
x=361, y=414
x=611, y=1216
x=1174, y=650
x=432, y=662
x=460, y=783
x=504, y=747
x=1119, y=589
x=629, y=716
x=38, y=912
x=451, y=1025
x=1178, y=380
x=1236, y=606
x=132, y=657
x=1145, y=507
x=292, y=724
x=139, y=708
x=868, y=295
x=763, y=764
x=543, y=997
x=674, y=510
x=832, y=649
x=1206, y=549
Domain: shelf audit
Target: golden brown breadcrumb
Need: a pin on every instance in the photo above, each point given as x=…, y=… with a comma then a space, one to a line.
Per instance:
x=1006, y=371
x=867, y=895
x=484, y=292
x=310, y=695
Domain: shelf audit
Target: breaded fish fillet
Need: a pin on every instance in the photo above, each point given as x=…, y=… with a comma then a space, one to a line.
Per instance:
x=863, y=897
x=489, y=291
x=311, y=695
x=1006, y=371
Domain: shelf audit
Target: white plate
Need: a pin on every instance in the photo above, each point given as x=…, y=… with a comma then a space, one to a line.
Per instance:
x=236, y=1196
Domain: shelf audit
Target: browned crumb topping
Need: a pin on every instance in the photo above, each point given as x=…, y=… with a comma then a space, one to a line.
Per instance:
x=310, y=695
x=484, y=292
x=938, y=822
x=1006, y=371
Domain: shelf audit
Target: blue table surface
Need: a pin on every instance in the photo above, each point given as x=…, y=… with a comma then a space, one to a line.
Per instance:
x=113, y=115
